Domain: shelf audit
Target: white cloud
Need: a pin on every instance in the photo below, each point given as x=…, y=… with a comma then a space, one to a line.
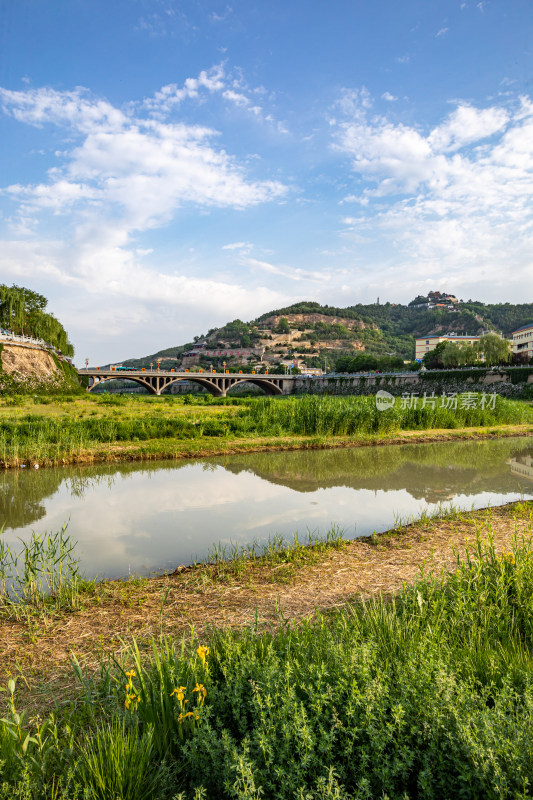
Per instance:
x=121, y=174
x=214, y=17
x=236, y=97
x=456, y=199
x=242, y=246
x=216, y=81
x=441, y=32
x=55, y=196
x=171, y=94
x=290, y=273
x=466, y=125
x=389, y=97
x=143, y=169
x=77, y=108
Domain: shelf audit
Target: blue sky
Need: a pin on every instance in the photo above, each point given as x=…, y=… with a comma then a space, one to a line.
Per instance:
x=168, y=166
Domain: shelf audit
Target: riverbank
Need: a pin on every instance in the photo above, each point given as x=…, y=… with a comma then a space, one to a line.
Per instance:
x=88, y=430
x=286, y=583
x=399, y=665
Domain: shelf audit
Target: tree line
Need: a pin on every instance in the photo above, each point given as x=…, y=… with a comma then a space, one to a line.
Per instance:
x=24, y=312
x=490, y=350
x=368, y=363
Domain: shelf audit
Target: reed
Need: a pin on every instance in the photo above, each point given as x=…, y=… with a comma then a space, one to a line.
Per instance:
x=349, y=416
x=42, y=576
x=73, y=427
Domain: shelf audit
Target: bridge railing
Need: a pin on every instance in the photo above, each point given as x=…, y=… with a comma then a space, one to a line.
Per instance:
x=9, y=336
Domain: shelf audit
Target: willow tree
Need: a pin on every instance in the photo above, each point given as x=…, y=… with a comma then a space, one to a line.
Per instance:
x=495, y=349
x=23, y=311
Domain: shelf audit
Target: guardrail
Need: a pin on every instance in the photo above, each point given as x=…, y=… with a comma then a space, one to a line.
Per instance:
x=8, y=336
x=21, y=338
x=373, y=374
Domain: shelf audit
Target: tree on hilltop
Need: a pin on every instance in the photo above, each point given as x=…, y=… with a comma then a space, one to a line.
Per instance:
x=22, y=311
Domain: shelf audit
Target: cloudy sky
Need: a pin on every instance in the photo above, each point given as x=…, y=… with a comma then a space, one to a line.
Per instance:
x=169, y=165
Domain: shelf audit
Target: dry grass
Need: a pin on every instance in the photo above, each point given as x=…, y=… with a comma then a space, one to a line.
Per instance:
x=254, y=592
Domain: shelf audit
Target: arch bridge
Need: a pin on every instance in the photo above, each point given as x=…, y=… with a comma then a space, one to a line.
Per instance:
x=217, y=383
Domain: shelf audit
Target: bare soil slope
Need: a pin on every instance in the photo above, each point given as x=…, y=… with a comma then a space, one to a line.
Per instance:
x=27, y=361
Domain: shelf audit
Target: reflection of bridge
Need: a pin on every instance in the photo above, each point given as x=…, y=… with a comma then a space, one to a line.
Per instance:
x=217, y=383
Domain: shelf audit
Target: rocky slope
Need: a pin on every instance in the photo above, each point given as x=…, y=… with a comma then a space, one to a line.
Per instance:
x=29, y=368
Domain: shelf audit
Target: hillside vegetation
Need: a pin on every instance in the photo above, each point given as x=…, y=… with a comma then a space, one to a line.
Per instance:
x=320, y=334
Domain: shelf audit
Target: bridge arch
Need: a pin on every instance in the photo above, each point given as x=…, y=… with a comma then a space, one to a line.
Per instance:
x=269, y=387
x=220, y=385
x=135, y=379
x=211, y=387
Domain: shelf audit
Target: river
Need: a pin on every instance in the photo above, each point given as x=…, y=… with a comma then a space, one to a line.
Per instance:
x=143, y=517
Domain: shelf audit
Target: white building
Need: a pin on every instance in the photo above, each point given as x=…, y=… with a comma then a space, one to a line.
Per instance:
x=426, y=343
x=522, y=341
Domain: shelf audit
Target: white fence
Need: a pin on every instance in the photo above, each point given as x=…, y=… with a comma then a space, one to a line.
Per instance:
x=16, y=338
x=8, y=336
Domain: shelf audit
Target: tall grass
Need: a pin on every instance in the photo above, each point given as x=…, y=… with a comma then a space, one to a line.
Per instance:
x=47, y=437
x=348, y=416
x=42, y=575
x=425, y=695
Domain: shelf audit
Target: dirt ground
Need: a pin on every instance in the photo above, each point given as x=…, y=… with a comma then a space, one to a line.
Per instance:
x=254, y=591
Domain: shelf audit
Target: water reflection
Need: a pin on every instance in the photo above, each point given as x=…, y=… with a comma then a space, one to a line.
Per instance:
x=522, y=464
x=151, y=515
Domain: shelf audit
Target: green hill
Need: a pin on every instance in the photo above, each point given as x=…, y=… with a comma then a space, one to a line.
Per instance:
x=316, y=332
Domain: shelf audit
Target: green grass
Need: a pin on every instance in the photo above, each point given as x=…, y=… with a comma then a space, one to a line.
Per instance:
x=348, y=416
x=32, y=430
x=426, y=695
x=42, y=577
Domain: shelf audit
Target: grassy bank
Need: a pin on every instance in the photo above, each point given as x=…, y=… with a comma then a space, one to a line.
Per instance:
x=81, y=429
x=422, y=691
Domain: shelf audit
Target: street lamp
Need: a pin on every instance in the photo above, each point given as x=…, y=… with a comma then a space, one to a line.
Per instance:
x=151, y=365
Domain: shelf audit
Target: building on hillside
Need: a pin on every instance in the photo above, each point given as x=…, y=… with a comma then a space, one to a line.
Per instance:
x=438, y=300
x=522, y=342
x=442, y=298
x=426, y=343
x=193, y=356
